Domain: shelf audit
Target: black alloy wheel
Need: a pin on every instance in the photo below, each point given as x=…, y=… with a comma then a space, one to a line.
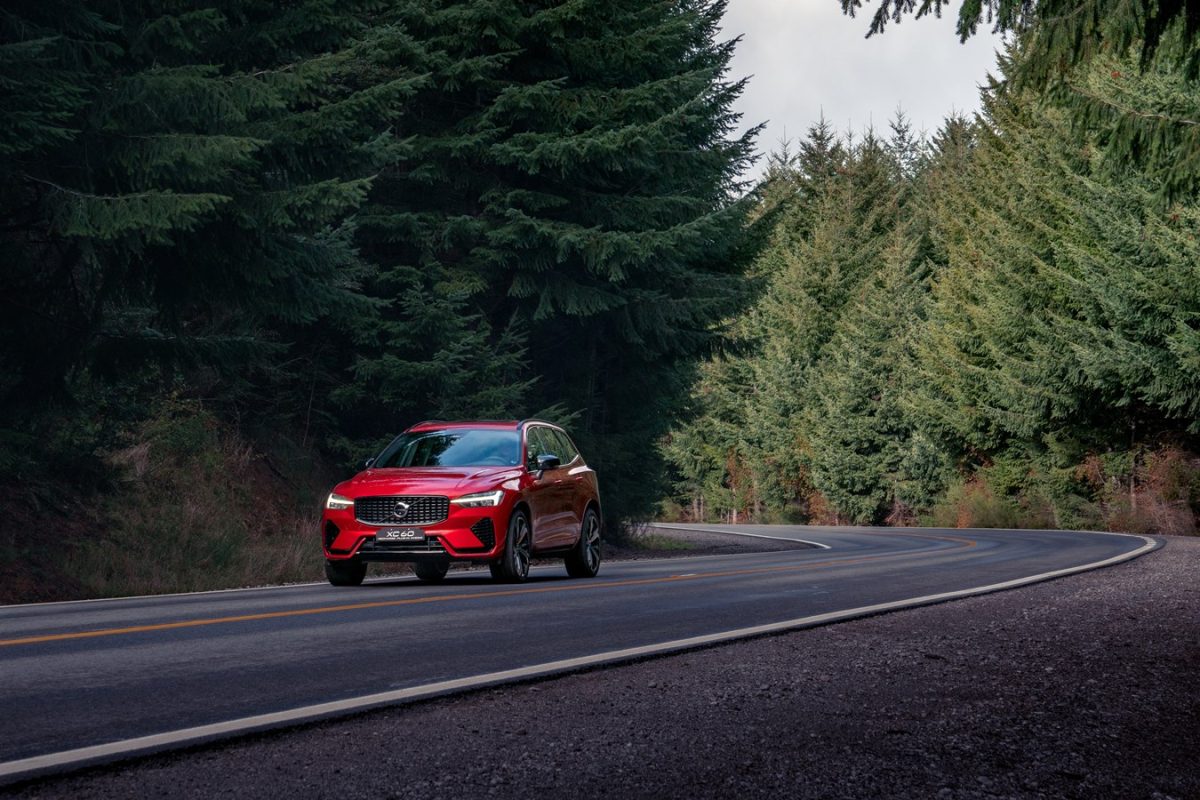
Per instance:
x=431, y=571
x=584, y=559
x=346, y=573
x=513, y=566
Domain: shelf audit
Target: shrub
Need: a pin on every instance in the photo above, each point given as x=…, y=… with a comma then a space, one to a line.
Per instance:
x=196, y=507
x=973, y=504
x=1146, y=491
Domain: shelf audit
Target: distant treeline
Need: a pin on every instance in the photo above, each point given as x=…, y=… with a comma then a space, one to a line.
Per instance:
x=997, y=325
x=328, y=221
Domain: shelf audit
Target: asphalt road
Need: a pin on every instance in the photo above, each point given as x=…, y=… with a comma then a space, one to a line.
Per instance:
x=75, y=675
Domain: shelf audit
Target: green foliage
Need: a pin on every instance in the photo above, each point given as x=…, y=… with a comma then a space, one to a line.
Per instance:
x=956, y=332
x=762, y=417
x=1142, y=113
x=178, y=188
x=569, y=179
x=330, y=220
x=863, y=457
x=1063, y=311
x=1068, y=32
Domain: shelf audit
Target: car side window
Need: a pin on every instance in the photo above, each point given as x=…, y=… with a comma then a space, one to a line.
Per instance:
x=566, y=448
x=536, y=445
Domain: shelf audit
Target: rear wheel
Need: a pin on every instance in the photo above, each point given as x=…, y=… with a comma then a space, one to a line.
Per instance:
x=584, y=559
x=513, y=566
x=431, y=571
x=346, y=573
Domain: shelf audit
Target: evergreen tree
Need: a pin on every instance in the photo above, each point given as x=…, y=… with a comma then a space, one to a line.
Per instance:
x=1058, y=326
x=719, y=467
x=1012, y=304
x=178, y=185
x=827, y=240
x=906, y=147
x=866, y=457
x=1069, y=31
x=1061, y=40
x=572, y=166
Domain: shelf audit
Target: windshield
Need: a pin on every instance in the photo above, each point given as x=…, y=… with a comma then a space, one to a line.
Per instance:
x=458, y=447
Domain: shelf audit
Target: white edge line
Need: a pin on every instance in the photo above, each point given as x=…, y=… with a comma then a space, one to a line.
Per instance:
x=12, y=771
x=739, y=533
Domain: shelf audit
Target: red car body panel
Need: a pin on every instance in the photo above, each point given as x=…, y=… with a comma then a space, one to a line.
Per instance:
x=555, y=499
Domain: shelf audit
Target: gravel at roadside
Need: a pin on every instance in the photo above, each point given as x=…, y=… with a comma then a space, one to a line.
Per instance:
x=652, y=542
x=1085, y=687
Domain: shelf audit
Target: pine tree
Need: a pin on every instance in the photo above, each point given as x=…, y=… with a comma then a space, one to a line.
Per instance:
x=866, y=457
x=1060, y=41
x=178, y=185
x=906, y=147
x=572, y=165
x=1058, y=326
x=717, y=463
x=827, y=240
x=1069, y=31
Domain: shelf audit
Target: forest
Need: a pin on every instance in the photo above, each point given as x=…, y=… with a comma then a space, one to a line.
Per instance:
x=244, y=243
x=997, y=325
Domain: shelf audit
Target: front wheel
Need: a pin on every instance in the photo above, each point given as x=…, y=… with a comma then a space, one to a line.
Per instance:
x=513, y=566
x=346, y=573
x=584, y=559
x=431, y=571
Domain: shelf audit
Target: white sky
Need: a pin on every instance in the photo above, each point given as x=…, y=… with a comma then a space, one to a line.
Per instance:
x=804, y=56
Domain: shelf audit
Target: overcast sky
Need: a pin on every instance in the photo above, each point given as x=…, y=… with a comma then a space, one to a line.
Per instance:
x=804, y=56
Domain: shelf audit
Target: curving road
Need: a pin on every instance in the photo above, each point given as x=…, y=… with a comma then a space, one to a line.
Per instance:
x=91, y=681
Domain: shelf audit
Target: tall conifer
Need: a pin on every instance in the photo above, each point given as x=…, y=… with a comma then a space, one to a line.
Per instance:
x=178, y=185
x=573, y=165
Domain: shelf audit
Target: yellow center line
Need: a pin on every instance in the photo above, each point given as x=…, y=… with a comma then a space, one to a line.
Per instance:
x=412, y=601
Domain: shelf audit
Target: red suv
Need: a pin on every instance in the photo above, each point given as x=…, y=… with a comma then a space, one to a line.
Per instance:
x=497, y=493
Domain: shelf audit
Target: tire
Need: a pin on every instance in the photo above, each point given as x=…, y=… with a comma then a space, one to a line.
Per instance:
x=346, y=573
x=513, y=566
x=584, y=559
x=431, y=571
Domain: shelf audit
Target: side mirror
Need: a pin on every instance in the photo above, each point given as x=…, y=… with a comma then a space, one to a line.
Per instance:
x=548, y=461
x=367, y=464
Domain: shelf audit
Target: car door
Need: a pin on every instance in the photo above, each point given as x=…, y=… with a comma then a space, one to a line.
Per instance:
x=547, y=490
x=575, y=494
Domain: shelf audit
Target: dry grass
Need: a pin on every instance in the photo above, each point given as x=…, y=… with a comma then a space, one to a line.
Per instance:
x=196, y=508
x=1152, y=491
x=1157, y=491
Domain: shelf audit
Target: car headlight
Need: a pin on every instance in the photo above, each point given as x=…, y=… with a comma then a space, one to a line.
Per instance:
x=480, y=499
x=335, y=502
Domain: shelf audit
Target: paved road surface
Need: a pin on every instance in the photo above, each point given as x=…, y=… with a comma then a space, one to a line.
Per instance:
x=74, y=675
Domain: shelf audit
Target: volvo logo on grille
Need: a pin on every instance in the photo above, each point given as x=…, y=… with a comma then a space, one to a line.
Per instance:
x=400, y=511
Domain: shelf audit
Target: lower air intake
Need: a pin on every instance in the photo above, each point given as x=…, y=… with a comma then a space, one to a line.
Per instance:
x=485, y=532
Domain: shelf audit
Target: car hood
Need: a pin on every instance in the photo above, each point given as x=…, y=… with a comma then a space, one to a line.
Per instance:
x=434, y=480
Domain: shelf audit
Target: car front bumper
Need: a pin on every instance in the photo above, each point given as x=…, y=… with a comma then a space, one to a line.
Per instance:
x=467, y=534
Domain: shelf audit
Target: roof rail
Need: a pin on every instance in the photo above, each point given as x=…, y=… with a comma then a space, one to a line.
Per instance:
x=425, y=422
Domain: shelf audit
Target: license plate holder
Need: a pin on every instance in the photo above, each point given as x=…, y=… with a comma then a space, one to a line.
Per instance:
x=390, y=536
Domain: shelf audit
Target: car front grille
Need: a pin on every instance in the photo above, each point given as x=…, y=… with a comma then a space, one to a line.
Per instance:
x=423, y=510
